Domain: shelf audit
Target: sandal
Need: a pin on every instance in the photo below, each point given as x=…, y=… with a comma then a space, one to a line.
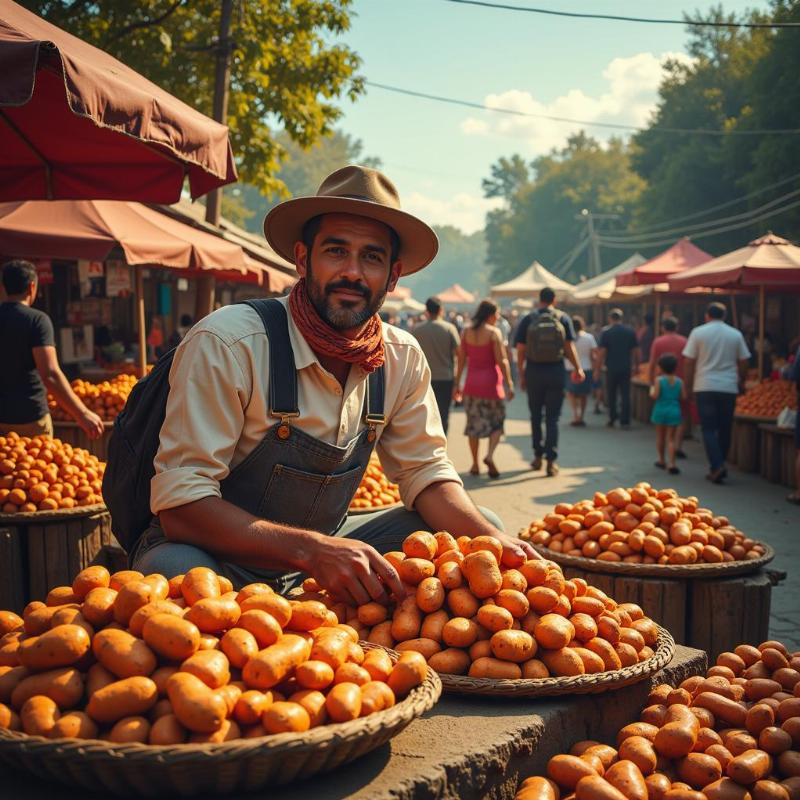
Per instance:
x=674, y=471
x=475, y=470
x=493, y=473
x=660, y=465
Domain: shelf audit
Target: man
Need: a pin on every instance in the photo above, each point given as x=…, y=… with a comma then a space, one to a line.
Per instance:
x=257, y=491
x=618, y=352
x=439, y=342
x=673, y=343
x=715, y=365
x=31, y=364
x=544, y=337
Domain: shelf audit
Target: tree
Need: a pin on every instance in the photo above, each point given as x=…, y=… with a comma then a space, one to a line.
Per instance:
x=539, y=222
x=285, y=71
x=508, y=176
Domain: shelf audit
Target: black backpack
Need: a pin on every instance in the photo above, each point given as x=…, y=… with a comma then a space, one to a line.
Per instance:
x=544, y=343
x=135, y=439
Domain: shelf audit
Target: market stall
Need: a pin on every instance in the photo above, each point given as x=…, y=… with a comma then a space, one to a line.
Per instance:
x=529, y=283
x=456, y=295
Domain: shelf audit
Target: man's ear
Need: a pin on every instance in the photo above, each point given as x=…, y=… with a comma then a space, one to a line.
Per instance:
x=301, y=259
x=394, y=275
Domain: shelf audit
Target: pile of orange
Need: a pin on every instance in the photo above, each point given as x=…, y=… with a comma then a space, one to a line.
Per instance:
x=767, y=399
x=44, y=474
x=375, y=489
x=106, y=399
x=642, y=525
x=643, y=371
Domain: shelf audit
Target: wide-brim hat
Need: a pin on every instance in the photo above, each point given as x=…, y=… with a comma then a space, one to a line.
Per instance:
x=353, y=190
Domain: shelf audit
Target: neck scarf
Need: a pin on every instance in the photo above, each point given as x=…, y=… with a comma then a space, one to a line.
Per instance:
x=367, y=350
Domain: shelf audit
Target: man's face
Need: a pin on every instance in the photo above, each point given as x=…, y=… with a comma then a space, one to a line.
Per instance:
x=348, y=270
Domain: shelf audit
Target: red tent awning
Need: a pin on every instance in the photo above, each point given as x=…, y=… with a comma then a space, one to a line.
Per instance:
x=455, y=294
x=681, y=256
x=77, y=123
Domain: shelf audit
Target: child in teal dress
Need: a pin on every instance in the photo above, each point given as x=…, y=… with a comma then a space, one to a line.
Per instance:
x=667, y=391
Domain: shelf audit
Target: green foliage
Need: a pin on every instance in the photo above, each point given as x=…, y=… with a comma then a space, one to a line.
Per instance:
x=285, y=71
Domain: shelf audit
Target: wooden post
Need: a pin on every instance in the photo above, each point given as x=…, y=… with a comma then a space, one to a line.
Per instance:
x=657, y=320
x=761, y=312
x=734, y=311
x=140, y=321
x=204, y=301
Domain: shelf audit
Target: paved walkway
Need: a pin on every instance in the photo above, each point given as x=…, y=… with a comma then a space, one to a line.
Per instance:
x=597, y=458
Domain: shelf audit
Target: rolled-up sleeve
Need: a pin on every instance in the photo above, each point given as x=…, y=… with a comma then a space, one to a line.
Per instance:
x=413, y=446
x=204, y=418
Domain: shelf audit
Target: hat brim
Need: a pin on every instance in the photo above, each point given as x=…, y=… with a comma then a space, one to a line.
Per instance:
x=283, y=226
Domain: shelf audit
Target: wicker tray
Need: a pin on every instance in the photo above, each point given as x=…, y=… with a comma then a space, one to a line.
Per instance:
x=576, y=684
x=359, y=511
x=52, y=516
x=727, y=569
x=241, y=765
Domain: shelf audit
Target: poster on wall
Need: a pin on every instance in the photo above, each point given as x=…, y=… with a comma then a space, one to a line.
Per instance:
x=91, y=276
x=77, y=344
x=44, y=271
x=118, y=279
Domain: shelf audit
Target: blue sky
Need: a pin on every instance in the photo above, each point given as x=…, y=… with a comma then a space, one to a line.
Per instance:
x=437, y=154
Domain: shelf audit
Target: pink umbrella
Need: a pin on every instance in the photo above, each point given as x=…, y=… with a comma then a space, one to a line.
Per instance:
x=681, y=256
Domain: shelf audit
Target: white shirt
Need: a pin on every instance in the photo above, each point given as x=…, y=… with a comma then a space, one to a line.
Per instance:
x=716, y=348
x=219, y=395
x=584, y=344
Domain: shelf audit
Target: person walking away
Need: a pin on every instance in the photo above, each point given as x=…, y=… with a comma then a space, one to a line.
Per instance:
x=715, y=365
x=483, y=353
x=439, y=341
x=544, y=337
x=793, y=374
x=667, y=391
x=670, y=341
x=619, y=351
x=31, y=364
x=586, y=346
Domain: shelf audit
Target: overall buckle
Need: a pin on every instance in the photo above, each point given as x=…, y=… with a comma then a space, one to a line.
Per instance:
x=284, y=431
x=373, y=420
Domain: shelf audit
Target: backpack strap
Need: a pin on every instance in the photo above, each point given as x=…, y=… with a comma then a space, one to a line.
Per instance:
x=282, y=371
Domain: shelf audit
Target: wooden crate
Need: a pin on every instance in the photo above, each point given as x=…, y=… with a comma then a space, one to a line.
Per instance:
x=641, y=402
x=36, y=555
x=71, y=433
x=745, y=451
x=713, y=615
x=778, y=454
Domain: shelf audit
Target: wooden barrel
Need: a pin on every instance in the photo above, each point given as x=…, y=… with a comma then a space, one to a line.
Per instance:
x=778, y=453
x=41, y=550
x=745, y=450
x=641, y=402
x=71, y=433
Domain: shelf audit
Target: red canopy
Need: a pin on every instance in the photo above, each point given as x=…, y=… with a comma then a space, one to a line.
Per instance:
x=76, y=123
x=767, y=261
x=682, y=255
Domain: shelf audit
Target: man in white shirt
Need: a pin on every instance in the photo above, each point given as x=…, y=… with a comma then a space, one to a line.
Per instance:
x=715, y=362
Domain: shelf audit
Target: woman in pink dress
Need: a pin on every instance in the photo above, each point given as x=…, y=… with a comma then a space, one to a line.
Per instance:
x=483, y=353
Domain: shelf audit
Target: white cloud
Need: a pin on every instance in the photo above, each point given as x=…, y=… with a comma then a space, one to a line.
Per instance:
x=462, y=210
x=629, y=99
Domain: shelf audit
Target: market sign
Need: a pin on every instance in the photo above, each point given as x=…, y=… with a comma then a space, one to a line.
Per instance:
x=44, y=271
x=118, y=279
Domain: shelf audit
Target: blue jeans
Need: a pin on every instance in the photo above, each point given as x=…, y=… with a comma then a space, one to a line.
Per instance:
x=545, y=385
x=716, y=420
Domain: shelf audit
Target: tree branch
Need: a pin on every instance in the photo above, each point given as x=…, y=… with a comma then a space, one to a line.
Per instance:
x=145, y=23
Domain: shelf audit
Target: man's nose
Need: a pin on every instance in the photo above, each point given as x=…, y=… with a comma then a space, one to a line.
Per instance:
x=351, y=267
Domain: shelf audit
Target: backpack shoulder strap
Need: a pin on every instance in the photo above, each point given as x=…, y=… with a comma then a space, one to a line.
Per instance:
x=282, y=371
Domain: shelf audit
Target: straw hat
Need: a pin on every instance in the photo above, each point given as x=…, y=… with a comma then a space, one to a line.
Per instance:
x=353, y=190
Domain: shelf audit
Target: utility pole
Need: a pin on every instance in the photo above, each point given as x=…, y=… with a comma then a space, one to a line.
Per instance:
x=595, y=265
x=204, y=303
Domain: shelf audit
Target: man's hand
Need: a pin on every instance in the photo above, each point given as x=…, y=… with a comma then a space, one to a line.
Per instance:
x=516, y=551
x=510, y=392
x=580, y=375
x=91, y=424
x=354, y=572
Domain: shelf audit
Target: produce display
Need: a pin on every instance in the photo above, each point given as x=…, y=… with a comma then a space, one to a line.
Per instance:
x=642, y=371
x=733, y=735
x=767, y=399
x=375, y=489
x=44, y=474
x=642, y=525
x=106, y=399
x=473, y=608
x=134, y=658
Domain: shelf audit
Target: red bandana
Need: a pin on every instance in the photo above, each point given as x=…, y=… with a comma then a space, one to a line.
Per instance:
x=367, y=350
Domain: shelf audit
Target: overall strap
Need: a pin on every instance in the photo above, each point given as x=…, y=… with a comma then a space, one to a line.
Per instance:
x=374, y=398
x=282, y=370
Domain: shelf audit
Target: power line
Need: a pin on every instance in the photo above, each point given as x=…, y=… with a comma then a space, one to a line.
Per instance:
x=570, y=120
x=619, y=18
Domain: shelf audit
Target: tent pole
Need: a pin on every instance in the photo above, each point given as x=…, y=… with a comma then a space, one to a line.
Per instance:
x=657, y=320
x=760, y=331
x=140, y=321
x=734, y=311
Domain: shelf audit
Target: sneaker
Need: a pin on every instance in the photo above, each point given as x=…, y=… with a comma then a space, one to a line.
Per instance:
x=552, y=469
x=536, y=463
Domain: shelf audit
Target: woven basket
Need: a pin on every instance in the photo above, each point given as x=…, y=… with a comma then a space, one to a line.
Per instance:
x=357, y=511
x=727, y=569
x=240, y=765
x=52, y=516
x=574, y=684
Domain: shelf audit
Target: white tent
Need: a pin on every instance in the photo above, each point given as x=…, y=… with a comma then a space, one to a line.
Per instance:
x=601, y=287
x=531, y=282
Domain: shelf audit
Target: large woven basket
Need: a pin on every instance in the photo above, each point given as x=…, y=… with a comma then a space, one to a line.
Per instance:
x=574, y=684
x=240, y=765
x=373, y=510
x=36, y=517
x=727, y=569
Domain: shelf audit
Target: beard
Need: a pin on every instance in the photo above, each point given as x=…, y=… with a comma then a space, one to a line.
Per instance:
x=348, y=314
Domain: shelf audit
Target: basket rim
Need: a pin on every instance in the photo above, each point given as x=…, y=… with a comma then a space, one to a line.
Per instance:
x=419, y=700
x=359, y=511
x=727, y=568
x=573, y=684
x=51, y=516
x=753, y=418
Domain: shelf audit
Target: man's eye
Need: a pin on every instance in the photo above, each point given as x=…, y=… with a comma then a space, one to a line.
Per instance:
x=336, y=250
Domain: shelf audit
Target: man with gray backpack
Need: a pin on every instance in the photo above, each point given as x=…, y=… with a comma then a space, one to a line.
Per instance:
x=544, y=338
